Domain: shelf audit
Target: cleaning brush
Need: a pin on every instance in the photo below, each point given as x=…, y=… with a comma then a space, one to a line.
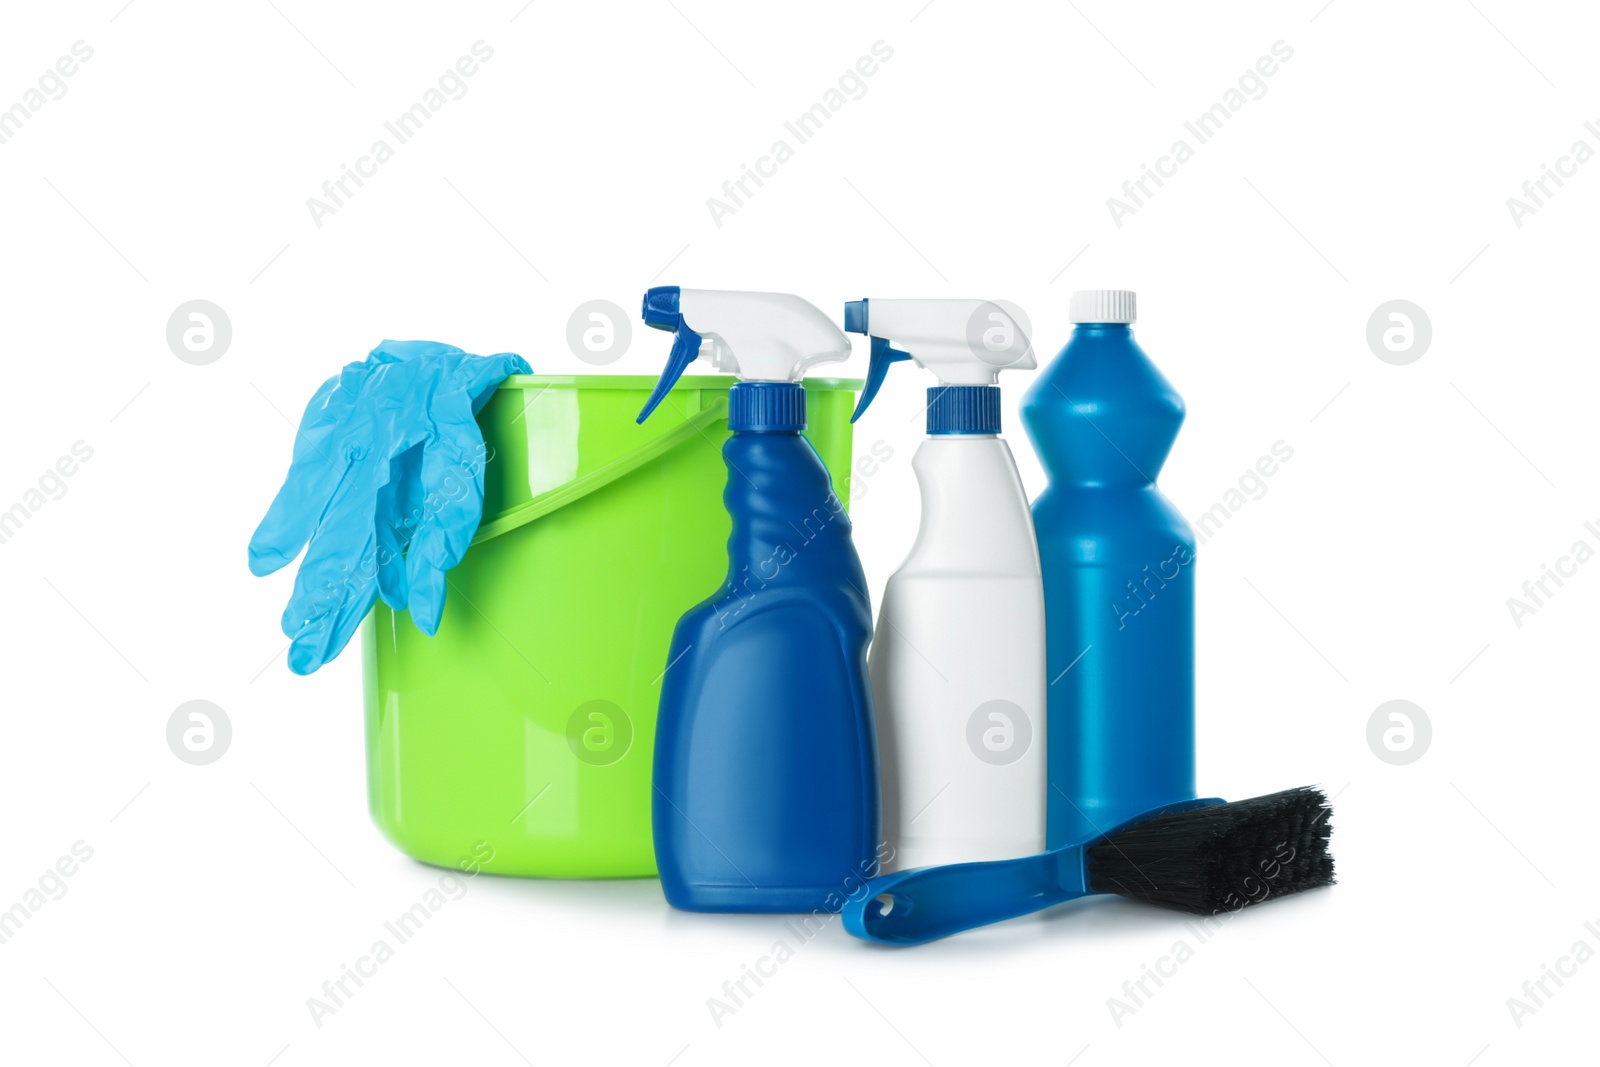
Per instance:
x=1198, y=856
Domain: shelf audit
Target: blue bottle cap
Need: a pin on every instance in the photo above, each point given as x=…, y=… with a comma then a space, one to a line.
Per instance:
x=964, y=409
x=770, y=407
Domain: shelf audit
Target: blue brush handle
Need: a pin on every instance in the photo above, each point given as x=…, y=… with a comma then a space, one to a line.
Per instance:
x=911, y=907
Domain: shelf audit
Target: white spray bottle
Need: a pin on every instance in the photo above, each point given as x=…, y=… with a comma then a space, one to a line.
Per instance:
x=958, y=661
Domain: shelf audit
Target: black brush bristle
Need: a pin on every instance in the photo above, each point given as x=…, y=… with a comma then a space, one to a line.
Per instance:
x=1220, y=857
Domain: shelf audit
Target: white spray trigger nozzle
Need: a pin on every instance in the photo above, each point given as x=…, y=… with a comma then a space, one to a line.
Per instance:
x=758, y=337
x=963, y=342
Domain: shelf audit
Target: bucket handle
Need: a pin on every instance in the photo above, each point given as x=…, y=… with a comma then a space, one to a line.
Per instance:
x=580, y=487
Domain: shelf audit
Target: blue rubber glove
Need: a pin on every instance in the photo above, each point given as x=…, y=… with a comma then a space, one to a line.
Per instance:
x=386, y=486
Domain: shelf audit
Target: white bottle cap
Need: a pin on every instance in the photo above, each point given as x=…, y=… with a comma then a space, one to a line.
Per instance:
x=1103, y=305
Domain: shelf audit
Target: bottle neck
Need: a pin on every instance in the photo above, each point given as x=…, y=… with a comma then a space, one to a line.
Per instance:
x=788, y=528
x=1103, y=329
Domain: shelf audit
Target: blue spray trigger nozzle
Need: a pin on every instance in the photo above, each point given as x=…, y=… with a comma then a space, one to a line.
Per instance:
x=883, y=354
x=660, y=311
x=660, y=308
x=855, y=316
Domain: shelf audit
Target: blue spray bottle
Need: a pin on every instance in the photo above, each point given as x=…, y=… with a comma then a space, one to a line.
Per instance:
x=766, y=764
x=1118, y=562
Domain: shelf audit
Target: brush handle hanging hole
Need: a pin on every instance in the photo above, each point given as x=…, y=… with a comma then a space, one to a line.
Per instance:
x=886, y=904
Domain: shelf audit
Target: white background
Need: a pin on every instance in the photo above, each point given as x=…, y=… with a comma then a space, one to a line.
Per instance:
x=1377, y=565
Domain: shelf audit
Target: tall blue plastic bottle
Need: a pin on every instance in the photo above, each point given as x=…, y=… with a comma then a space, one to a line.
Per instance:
x=766, y=763
x=1118, y=562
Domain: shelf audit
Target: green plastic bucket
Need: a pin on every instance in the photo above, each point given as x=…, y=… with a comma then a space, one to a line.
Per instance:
x=523, y=729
